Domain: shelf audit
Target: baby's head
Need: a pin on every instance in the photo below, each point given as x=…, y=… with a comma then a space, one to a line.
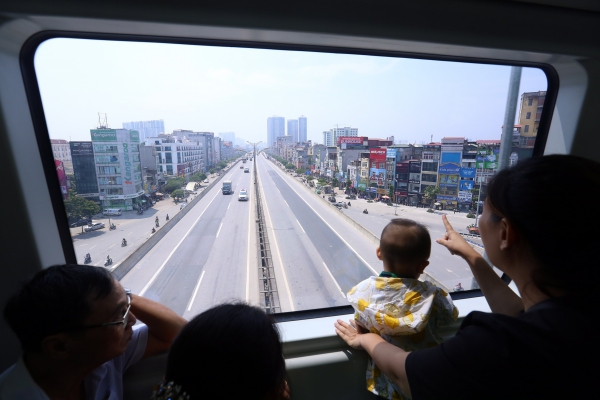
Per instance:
x=404, y=248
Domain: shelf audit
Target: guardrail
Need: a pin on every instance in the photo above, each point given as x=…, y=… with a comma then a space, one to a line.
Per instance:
x=122, y=268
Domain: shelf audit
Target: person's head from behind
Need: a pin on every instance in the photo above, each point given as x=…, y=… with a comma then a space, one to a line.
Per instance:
x=404, y=248
x=525, y=217
x=228, y=343
x=69, y=314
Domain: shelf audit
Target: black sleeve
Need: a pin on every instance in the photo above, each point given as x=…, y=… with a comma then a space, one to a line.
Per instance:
x=470, y=365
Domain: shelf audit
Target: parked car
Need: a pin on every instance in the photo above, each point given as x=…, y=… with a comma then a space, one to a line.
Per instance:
x=81, y=222
x=206, y=181
x=241, y=167
x=243, y=196
x=94, y=226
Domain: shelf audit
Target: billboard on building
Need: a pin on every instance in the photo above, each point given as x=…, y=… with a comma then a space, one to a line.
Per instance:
x=445, y=178
x=81, y=149
x=377, y=154
x=62, y=177
x=104, y=135
x=358, y=140
x=414, y=167
x=467, y=172
x=465, y=197
x=487, y=158
x=449, y=169
x=391, y=153
x=134, y=136
x=453, y=158
x=377, y=175
x=466, y=185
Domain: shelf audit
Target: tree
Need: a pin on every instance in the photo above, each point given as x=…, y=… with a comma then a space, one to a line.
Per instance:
x=391, y=192
x=300, y=171
x=178, y=194
x=310, y=178
x=475, y=194
x=79, y=207
x=198, y=177
x=431, y=192
x=334, y=182
x=173, y=184
x=290, y=166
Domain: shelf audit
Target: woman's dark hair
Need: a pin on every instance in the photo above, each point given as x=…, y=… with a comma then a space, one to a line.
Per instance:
x=56, y=299
x=541, y=197
x=228, y=348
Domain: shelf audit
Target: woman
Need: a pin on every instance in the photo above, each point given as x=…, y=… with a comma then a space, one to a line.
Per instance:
x=228, y=351
x=540, y=344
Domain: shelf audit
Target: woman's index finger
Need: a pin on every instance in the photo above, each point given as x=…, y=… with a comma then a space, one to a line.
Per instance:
x=447, y=223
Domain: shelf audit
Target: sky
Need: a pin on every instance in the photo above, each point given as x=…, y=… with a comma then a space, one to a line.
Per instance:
x=220, y=89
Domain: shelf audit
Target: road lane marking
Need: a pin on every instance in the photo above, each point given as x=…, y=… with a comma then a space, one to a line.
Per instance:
x=287, y=286
x=129, y=233
x=285, y=201
x=195, y=291
x=229, y=205
x=334, y=281
x=151, y=281
x=300, y=226
x=327, y=223
x=219, y=231
x=111, y=246
x=93, y=246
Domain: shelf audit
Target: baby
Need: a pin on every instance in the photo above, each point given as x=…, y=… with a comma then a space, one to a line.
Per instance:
x=396, y=305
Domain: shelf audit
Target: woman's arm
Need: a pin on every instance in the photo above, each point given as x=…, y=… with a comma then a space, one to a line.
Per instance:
x=390, y=359
x=162, y=322
x=499, y=296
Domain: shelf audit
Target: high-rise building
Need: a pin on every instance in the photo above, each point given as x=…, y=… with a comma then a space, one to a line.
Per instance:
x=275, y=129
x=530, y=113
x=118, y=167
x=292, y=129
x=227, y=136
x=330, y=136
x=84, y=169
x=302, y=129
x=62, y=152
x=146, y=128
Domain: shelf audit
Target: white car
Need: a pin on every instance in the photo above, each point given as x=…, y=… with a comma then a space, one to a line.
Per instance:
x=206, y=181
x=94, y=226
x=243, y=196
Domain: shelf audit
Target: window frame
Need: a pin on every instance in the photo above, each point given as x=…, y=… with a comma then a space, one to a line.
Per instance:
x=32, y=90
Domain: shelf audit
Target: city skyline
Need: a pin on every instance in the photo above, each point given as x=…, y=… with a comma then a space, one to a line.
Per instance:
x=382, y=96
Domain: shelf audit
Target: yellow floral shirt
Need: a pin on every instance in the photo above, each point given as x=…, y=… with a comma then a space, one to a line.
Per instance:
x=404, y=312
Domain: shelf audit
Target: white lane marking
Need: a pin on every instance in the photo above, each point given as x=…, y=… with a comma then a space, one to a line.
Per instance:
x=93, y=246
x=287, y=286
x=285, y=201
x=175, y=248
x=327, y=223
x=219, y=231
x=129, y=233
x=300, y=226
x=229, y=205
x=195, y=291
x=97, y=263
x=111, y=246
x=334, y=281
x=248, y=253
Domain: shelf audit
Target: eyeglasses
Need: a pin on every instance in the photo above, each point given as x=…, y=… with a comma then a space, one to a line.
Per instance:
x=123, y=322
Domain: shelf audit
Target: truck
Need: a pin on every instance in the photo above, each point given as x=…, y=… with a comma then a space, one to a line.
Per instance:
x=226, y=187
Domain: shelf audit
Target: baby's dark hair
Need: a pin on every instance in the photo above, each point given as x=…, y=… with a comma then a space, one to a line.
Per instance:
x=404, y=241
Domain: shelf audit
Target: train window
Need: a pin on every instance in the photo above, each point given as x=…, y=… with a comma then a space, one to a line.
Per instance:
x=147, y=137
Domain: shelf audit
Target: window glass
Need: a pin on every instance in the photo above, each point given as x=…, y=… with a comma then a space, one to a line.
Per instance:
x=378, y=146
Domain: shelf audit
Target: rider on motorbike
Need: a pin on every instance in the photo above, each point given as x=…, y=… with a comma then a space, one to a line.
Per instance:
x=108, y=260
x=167, y=217
x=365, y=211
x=88, y=258
x=124, y=242
x=153, y=230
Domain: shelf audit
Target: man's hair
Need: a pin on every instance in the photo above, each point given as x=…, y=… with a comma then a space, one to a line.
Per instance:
x=58, y=298
x=404, y=241
x=229, y=341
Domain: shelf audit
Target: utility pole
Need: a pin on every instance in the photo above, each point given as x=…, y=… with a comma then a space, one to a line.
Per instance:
x=509, y=118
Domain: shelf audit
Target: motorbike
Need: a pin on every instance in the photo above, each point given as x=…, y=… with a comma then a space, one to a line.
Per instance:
x=365, y=211
x=108, y=262
x=167, y=217
x=112, y=227
x=87, y=259
x=458, y=288
x=153, y=230
x=124, y=243
x=157, y=224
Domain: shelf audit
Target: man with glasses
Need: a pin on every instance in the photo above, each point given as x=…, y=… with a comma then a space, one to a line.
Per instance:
x=75, y=323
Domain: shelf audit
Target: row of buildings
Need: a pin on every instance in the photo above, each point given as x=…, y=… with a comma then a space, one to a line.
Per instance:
x=120, y=170
x=377, y=167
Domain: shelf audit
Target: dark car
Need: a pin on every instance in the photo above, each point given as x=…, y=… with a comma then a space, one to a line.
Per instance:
x=81, y=222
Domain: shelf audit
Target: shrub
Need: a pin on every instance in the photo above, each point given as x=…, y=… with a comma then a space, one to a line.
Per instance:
x=430, y=210
x=470, y=215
